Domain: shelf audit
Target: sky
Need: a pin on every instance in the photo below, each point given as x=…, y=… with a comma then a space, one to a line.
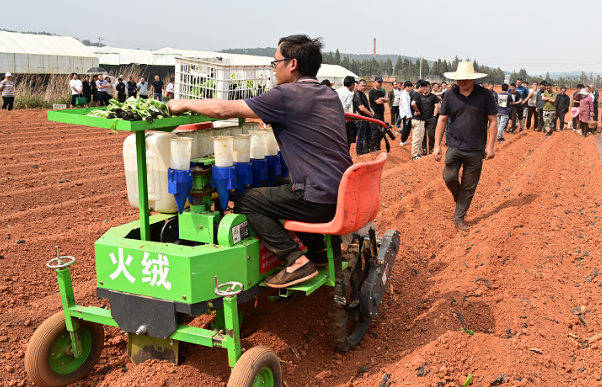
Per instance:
x=536, y=35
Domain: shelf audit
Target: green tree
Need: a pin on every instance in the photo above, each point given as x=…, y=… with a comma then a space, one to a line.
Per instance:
x=337, y=58
x=388, y=67
x=454, y=65
x=345, y=63
x=434, y=73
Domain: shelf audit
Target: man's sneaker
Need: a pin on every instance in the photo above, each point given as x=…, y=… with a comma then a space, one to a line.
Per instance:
x=404, y=143
x=461, y=226
x=548, y=134
x=284, y=279
x=501, y=140
x=399, y=130
x=416, y=157
x=424, y=152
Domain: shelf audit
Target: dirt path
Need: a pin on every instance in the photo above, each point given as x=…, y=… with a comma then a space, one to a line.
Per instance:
x=525, y=280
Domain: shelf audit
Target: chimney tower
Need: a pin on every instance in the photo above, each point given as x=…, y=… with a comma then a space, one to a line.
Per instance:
x=374, y=49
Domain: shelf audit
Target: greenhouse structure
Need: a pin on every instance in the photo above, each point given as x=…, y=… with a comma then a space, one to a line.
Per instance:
x=43, y=54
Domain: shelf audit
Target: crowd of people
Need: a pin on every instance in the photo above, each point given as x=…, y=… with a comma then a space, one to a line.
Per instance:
x=415, y=108
x=543, y=109
x=99, y=90
x=468, y=114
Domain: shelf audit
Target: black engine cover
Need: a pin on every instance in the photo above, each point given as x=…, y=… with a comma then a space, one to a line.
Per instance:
x=379, y=273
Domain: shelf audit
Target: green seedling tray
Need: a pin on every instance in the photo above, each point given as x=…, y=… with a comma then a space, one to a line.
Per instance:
x=79, y=117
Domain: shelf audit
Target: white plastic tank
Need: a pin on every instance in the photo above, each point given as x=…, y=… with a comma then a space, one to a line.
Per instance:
x=158, y=159
x=227, y=128
x=205, y=142
x=249, y=126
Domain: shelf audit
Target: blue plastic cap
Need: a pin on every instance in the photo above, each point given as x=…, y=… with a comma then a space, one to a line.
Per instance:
x=179, y=185
x=223, y=179
x=260, y=171
x=273, y=169
x=244, y=176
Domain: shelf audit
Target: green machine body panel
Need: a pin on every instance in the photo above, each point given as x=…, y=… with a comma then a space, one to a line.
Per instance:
x=176, y=272
x=198, y=226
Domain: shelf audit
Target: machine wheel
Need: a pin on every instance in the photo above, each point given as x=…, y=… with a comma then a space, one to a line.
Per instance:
x=346, y=334
x=257, y=367
x=47, y=359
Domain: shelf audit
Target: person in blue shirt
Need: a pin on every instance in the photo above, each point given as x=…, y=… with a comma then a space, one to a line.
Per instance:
x=522, y=108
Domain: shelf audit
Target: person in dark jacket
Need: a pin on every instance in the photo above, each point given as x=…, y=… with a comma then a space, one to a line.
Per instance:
x=132, y=88
x=120, y=87
x=94, y=91
x=563, y=102
x=87, y=90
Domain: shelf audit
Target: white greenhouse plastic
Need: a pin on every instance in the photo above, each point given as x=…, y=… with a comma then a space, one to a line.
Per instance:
x=120, y=56
x=41, y=54
x=335, y=74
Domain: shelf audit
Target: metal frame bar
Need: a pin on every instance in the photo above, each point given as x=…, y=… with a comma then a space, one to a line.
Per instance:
x=142, y=185
x=331, y=269
x=230, y=320
x=68, y=300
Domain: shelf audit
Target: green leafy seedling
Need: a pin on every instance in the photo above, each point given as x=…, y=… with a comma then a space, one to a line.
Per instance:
x=468, y=331
x=468, y=380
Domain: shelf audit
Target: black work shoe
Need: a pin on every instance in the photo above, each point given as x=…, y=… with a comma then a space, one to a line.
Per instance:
x=461, y=226
x=284, y=279
x=548, y=134
x=319, y=259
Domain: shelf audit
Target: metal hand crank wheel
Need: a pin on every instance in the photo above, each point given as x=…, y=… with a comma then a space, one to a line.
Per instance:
x=61, y=262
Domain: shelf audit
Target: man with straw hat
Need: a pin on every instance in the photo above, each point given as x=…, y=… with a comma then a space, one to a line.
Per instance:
x=469, y=109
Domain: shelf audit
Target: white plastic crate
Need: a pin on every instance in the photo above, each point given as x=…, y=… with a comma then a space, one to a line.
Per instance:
x=205, y=78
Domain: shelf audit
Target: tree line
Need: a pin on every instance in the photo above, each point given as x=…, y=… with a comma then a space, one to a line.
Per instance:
x=405, y=69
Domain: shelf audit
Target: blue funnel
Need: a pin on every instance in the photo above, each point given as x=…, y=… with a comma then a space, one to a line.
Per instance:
x=273, y=169
x=260, y=171
x=283, y=166
x=179, y=184
x=244, y=176
x=223, y=179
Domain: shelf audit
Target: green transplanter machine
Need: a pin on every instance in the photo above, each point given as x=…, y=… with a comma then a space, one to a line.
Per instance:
x=204, y=258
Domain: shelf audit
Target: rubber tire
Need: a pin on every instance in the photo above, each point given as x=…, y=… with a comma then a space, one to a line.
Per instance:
x=251, y=362
x=36, y=355
x=338, y=329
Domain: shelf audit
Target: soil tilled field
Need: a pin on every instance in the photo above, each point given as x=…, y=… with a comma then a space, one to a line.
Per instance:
x=525, y=280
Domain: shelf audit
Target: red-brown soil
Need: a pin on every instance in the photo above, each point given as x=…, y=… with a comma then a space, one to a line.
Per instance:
x=525, y=279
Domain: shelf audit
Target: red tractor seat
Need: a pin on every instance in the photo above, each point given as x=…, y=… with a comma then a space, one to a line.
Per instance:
x=357, y=203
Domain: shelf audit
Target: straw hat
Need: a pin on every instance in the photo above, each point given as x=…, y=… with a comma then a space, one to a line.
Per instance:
x=465, y=71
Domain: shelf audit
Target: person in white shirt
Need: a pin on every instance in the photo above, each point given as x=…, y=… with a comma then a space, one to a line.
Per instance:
x=76, y=88
x=171, y=89
x=346, y=96
x=404, y=122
